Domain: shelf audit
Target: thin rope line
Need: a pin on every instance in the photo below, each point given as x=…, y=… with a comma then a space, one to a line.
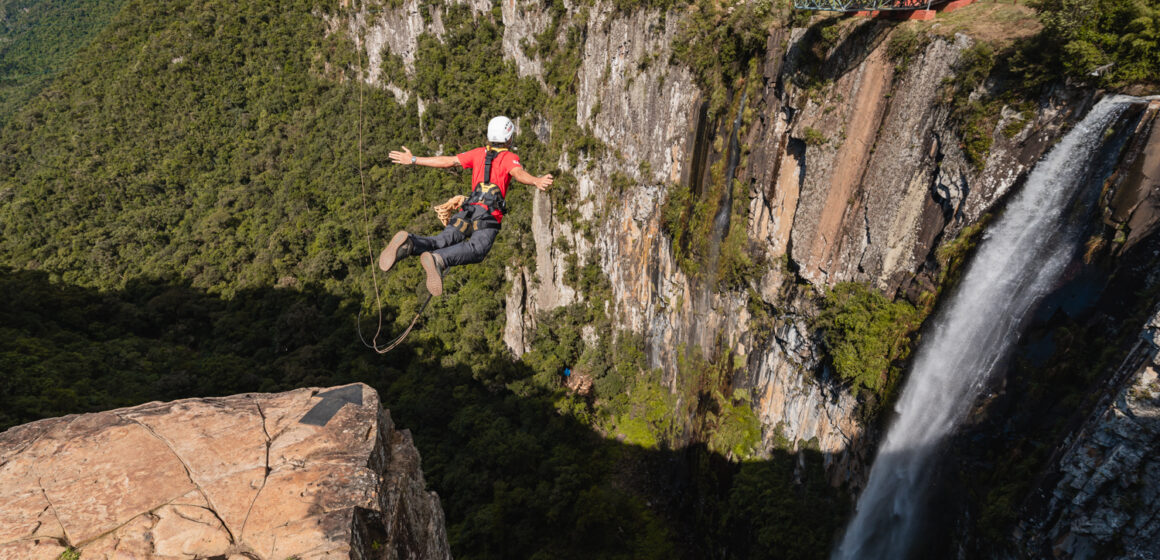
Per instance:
x=400, y=338
x=374, y=343
x=366, y=215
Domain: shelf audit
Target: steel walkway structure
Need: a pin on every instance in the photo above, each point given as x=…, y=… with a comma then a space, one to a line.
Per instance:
x=866, y=5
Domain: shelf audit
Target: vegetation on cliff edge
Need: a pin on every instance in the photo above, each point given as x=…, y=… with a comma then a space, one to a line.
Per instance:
x=866, y=335
x=1111, y=43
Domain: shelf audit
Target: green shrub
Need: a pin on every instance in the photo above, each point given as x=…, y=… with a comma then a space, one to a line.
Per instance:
x=718, y=39
x=643, y=413
x=737, y=267
x=814, y=137
x=865, y=333
x=905, y=43
x=975, y=119
x=737, y=429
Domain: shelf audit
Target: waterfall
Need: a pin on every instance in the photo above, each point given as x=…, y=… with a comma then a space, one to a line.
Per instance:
x=1020, y=257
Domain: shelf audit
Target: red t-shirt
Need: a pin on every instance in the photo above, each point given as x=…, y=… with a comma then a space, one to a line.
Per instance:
x=501, y=168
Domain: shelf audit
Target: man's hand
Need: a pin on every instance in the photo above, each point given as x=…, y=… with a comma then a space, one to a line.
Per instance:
x=404, y=157
x=526, y=178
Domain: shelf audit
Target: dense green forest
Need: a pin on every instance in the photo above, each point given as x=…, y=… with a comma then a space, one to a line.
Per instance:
x=38, y=38
x=182, y=214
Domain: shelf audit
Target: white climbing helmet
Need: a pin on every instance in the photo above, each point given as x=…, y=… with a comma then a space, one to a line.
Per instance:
x=500, y=130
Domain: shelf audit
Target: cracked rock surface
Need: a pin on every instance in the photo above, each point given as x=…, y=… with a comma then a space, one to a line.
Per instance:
x=1106, y=503
x=234, y=477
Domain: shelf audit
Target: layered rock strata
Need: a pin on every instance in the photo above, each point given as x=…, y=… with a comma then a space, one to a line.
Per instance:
x=1135, y=208
x=233, y=477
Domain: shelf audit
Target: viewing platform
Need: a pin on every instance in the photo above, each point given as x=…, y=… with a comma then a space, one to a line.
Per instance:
x=901, y=9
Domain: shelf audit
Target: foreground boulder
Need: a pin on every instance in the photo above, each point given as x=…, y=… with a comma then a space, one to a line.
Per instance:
x=234, y=478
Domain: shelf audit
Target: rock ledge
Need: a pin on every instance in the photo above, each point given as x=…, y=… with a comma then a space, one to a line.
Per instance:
x=233, y=478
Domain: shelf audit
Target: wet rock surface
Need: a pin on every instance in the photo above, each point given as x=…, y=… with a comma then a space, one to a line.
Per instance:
x=230, y=477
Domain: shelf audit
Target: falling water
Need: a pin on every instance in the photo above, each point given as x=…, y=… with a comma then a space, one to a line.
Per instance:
x=1019, y=259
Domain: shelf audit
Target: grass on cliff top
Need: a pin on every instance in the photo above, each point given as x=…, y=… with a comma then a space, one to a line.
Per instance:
x=990, y=21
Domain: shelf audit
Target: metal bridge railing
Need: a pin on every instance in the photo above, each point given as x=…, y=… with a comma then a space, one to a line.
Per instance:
x=865, y=5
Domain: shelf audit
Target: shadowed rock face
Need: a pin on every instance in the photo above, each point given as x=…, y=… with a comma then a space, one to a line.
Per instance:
x=1106, y=497
x=232, y=477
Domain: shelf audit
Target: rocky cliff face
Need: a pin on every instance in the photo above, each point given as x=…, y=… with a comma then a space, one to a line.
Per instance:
x=631, y=99
x=854, y=172
x=1097, y=496
x=869, y=203
x=237, y=477
x=1135, y=208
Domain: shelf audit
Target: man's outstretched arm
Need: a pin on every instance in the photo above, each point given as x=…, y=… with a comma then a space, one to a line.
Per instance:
x=526, y=178
x=406, y=158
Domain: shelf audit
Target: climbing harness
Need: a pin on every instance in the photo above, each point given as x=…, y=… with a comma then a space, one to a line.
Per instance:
x=487, y=193
x=374, y=342
x=468, y=227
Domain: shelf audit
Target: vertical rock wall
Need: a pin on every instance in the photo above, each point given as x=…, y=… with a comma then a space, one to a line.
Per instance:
x=859, y=179
x=882, y=179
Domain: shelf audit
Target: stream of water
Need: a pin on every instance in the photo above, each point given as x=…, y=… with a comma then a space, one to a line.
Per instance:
x=1020, y=258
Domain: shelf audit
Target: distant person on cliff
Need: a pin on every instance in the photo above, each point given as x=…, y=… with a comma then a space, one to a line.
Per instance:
x=470, y=232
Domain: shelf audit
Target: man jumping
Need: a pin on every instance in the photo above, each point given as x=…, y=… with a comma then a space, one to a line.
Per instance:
x=470, y=233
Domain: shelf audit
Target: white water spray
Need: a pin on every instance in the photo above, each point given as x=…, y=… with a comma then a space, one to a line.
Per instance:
x=1019, y=259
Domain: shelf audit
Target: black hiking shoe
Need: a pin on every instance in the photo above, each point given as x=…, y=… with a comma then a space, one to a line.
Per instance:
x=435, y=268
x=397, y=249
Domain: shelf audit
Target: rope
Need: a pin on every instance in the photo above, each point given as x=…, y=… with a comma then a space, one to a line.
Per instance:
x=449, y=208
x=374, y=343
x=391, y=345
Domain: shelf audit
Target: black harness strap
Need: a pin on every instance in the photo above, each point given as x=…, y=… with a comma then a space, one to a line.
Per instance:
x=487, y=192
x=484, y=193
x=487, y=159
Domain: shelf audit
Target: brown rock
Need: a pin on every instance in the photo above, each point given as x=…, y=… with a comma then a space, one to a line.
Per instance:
x=230, y=477
x=1136, y=204
x=580, y=384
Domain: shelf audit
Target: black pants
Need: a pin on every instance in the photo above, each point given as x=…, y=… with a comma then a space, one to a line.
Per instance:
x=455, y=247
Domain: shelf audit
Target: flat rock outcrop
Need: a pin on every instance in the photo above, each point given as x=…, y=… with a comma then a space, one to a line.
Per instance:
x=232, y=477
